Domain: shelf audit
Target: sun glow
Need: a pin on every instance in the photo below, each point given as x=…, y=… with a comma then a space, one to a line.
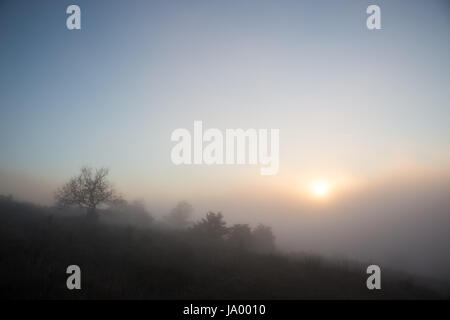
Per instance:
x=320, y=188
x=323, y=187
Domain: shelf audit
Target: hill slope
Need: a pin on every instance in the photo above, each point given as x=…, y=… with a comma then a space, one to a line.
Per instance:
x=120, y=262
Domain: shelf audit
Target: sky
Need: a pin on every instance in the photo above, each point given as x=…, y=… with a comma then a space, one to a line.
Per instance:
x=366, y=111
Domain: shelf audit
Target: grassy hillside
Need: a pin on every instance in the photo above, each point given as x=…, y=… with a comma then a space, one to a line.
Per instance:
x=37, y=244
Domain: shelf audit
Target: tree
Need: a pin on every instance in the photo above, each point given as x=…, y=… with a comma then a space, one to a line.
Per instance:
x=240, y=236
x=263, y=239
x=212, y=226
x=179, y=216
x=87, y=190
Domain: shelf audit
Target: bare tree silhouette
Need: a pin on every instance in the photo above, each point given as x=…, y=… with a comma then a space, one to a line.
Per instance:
x=87, y=190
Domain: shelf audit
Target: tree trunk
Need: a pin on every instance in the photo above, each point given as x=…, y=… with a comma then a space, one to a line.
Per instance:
x=92, y=214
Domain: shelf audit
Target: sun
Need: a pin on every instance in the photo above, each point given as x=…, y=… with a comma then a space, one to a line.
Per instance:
x=320, y=188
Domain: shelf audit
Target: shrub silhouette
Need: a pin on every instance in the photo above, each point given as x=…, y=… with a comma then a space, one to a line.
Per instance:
x=240, y=236
x=263, y=239
x=212, y=227
x=179, y=217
